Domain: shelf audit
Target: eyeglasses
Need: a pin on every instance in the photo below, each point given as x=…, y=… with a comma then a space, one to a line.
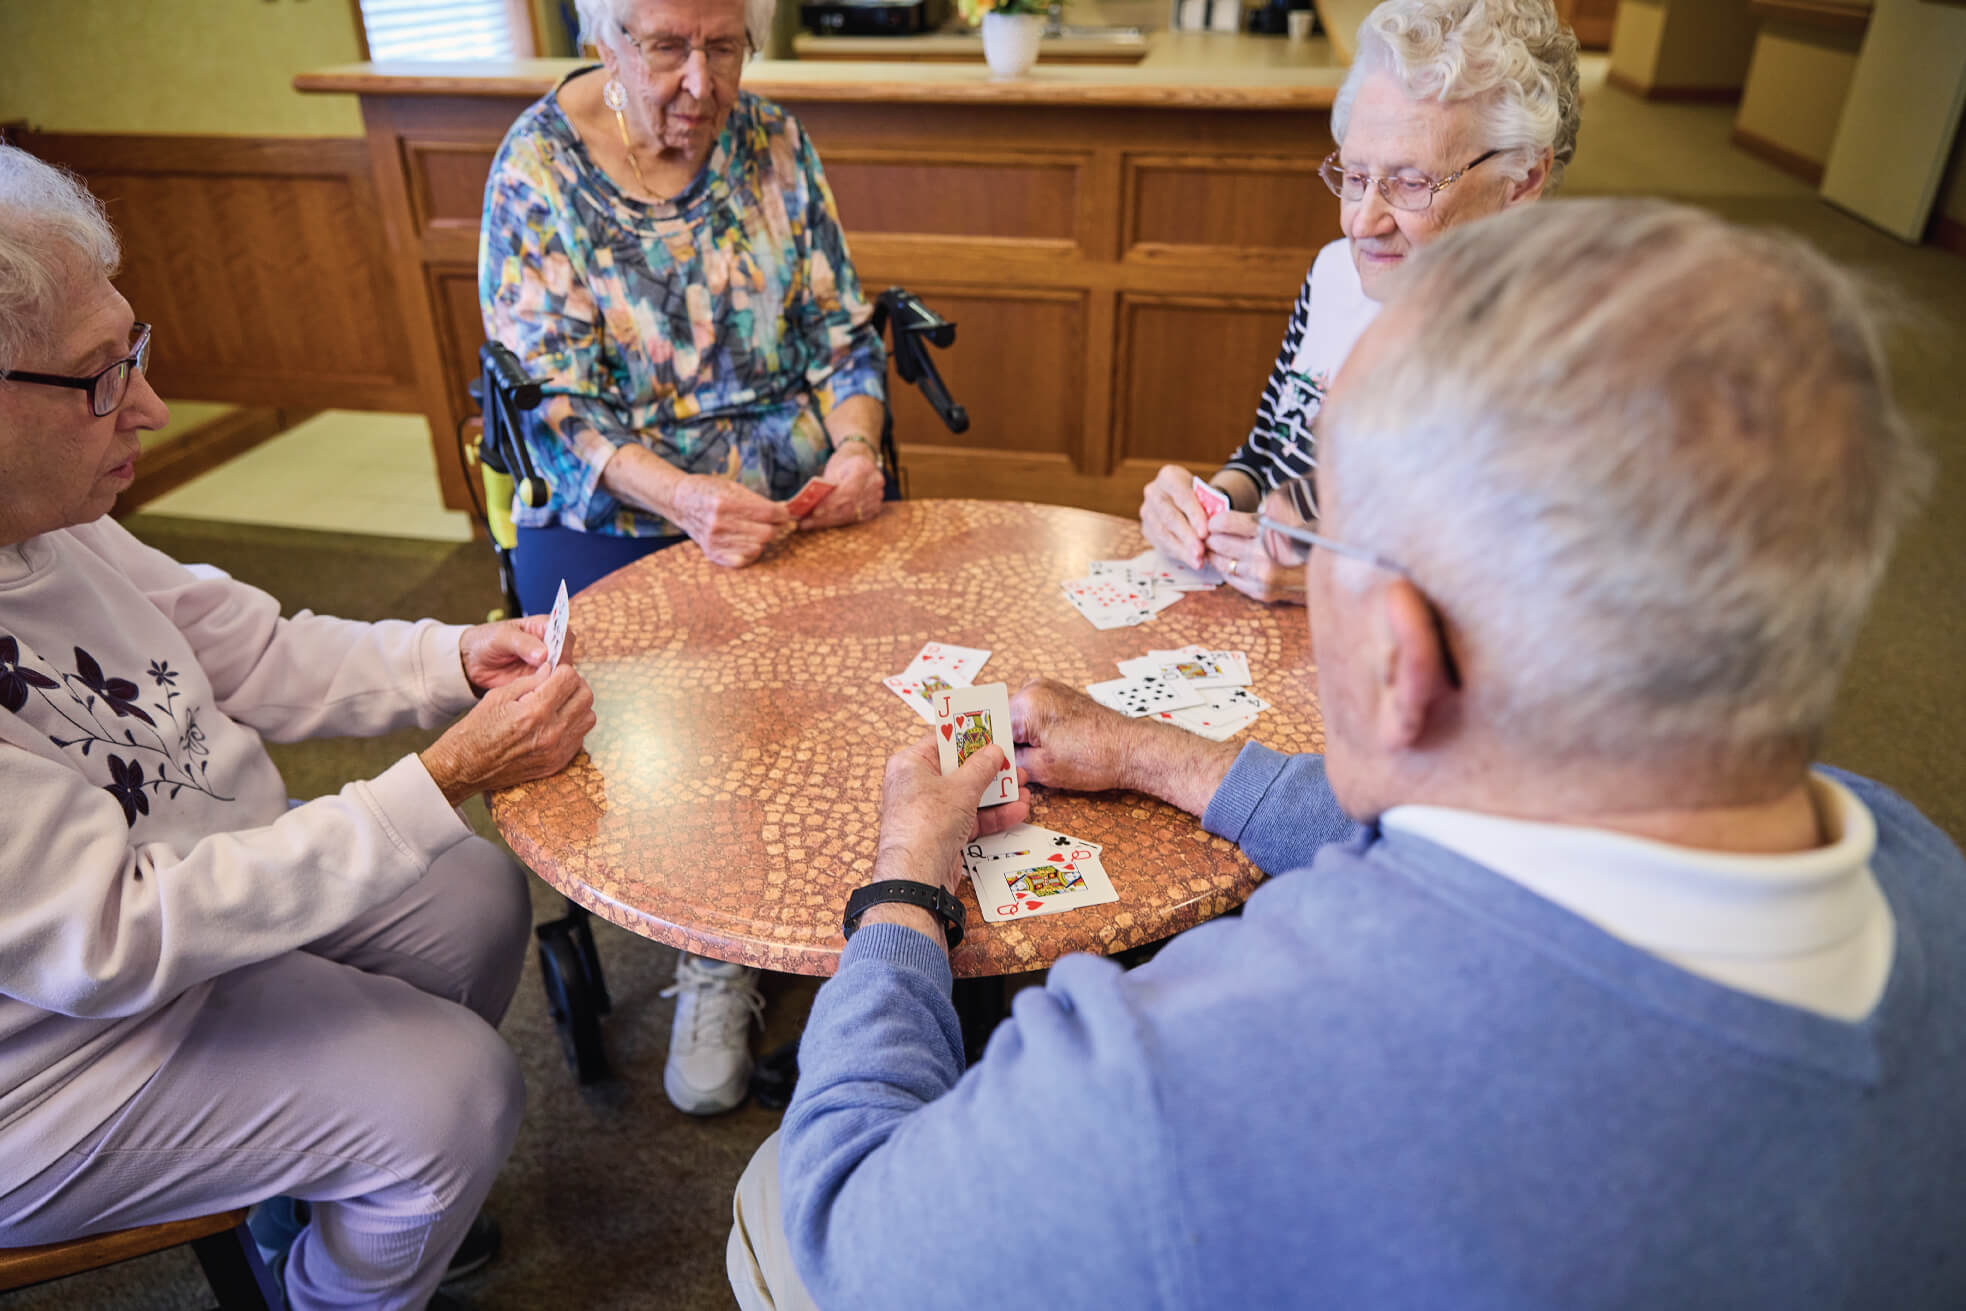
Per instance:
x=667, y=54
x=107, y=388
x=1272, y=529
x=1410, y=191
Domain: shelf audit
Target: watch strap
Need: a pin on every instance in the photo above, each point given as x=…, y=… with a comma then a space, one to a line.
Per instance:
x=935, y=900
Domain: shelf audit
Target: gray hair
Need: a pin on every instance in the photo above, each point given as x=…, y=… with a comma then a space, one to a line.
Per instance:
x=1648, y=464
x=600, y=21
x=1514, y=55
x=49, y=223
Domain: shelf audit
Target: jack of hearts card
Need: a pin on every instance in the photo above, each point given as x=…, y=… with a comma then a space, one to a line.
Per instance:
x=967, y=719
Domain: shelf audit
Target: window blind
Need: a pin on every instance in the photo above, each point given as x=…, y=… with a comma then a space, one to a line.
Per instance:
x=439, y=29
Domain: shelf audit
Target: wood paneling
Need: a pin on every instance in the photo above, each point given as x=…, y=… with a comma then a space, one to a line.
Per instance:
x=460, y=331
x=260, y=261
x=981, y=195
x=1791, y=162
x=450, y=183
x=1017, y=365
x=1193, y=370
x=1850, y=19
x=1238, y=204
x=1591, y=20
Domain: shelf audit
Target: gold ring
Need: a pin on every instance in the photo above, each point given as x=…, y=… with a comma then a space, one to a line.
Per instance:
x=1233, y=564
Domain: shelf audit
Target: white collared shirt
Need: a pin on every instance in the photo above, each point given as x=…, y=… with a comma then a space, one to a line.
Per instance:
x=1809, y=929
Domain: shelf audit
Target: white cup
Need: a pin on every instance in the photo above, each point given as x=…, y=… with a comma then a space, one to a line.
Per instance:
x=1300, y=21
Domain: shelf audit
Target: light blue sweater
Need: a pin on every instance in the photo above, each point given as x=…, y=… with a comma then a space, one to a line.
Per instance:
x=1397, y=1080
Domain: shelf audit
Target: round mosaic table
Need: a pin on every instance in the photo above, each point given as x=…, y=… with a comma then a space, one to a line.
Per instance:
x=729, y=798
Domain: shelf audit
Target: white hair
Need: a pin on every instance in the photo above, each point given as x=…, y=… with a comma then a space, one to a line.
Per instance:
x=600, y=21
x=1649, y=467
x=51, y=229
x=1516, y=56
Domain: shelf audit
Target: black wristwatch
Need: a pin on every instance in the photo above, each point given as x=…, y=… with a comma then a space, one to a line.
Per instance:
x=930, y=898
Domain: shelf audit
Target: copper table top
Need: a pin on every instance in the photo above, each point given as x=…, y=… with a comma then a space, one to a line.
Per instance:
x=728, y=800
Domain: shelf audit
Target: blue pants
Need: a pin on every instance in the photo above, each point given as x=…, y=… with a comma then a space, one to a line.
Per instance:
x=544, y=556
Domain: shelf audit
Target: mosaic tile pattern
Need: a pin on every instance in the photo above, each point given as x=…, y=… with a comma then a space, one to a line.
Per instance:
x=728, y=801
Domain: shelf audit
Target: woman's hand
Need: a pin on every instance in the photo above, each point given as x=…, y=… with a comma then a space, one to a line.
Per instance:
x=857, y=497
x=732, y=523
x=926, y=817
x=1172, y=519
x=1235, y=551
x=526, y=729
x=495, y=654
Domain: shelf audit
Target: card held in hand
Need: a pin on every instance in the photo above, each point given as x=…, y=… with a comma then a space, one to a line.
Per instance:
x=967, y=719
x=556, y=629
x=809, y=497
x=1210, y=497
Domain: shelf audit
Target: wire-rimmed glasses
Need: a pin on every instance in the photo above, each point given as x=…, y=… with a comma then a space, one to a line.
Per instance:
x=1410, y=190
x=106, y=388
x=667, y=54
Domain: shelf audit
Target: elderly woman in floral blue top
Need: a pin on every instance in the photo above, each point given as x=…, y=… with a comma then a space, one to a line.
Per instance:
x=662, y=250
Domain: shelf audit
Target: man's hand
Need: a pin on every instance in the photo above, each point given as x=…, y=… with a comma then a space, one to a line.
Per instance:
x=927, y=817
x=495, y=654
x=732, y=523
x=858, y=496
x=1067, y=740
x=526, y=729
x=1236, y=551
x=1172, y=518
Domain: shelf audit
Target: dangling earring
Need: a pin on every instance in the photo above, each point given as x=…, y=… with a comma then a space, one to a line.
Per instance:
x=615, y=97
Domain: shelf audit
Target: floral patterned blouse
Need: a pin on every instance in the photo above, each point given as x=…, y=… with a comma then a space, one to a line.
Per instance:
x=717, y=329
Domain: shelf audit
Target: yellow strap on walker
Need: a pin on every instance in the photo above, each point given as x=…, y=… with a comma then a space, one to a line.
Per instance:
x=498, y=498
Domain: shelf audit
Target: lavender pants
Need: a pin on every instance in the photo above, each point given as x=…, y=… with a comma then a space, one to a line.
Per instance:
x=361, y=1073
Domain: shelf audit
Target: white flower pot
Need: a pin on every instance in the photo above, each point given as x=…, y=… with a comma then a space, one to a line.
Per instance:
x=1010, y=42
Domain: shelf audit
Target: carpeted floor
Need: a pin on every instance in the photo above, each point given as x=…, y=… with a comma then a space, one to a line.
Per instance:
x=612, y=1199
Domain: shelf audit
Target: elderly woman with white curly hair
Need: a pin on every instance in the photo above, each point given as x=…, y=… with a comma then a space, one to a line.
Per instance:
x=211, y=997
x=661, y=249
x=1453, y=110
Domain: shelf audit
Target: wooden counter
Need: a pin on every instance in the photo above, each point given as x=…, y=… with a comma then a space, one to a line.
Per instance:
x=1118, y=246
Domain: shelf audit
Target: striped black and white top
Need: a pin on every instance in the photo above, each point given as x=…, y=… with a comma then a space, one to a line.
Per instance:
x=1280, y=447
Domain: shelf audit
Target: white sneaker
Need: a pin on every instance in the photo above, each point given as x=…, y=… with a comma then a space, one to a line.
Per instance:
x=709, y=1065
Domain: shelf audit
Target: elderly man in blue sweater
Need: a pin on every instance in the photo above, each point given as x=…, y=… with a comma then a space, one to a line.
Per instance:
x=1578, y=986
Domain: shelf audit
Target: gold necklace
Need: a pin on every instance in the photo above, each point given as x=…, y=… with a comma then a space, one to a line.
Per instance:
x=616, y=99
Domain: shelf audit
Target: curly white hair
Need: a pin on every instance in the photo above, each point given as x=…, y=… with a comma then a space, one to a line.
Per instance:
x=51, y=229
x=600, y=21
x=1514, y=55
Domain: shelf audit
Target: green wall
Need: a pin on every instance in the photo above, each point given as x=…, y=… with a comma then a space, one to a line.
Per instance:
x=175, y=66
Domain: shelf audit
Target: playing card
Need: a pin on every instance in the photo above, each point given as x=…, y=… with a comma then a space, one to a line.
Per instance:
x=967, y=719
x=1211, y=669
x=918, y=691
x=1022, y=841
x=556, y=629
x=1156, y=661
x=1137, y=697
x=809, y=497
x=957, y=664
x=1020, y=889
x=1112, y=602
x=1151, y=564
x=1211, y=497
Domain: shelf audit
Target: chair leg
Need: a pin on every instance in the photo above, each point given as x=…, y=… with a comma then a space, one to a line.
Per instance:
x=238, y=1277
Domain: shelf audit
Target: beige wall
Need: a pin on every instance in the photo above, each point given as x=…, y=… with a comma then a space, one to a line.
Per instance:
x=1796, y=86
x=1682, y=44
x=175, y=66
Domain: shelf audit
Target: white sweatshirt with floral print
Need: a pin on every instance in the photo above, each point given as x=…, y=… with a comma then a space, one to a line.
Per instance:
x=146, y=844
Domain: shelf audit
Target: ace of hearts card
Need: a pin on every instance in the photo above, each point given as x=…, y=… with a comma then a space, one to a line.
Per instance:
x=967, y=719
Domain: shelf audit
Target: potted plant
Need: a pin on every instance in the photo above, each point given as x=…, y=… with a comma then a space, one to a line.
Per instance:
x=1011, y=32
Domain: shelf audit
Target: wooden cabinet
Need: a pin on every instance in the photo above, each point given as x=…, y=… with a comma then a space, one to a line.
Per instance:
x=1120, y=273
x=1591, y=20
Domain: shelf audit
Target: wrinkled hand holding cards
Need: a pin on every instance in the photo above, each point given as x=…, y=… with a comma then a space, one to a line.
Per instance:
x=1123, y=593
x=1206, y=692
x=1027, y=870
x=809, y=497
x=937, y=667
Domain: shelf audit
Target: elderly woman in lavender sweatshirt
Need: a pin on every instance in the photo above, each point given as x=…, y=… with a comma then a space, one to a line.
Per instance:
x=209, y=998
x=1580, y=986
